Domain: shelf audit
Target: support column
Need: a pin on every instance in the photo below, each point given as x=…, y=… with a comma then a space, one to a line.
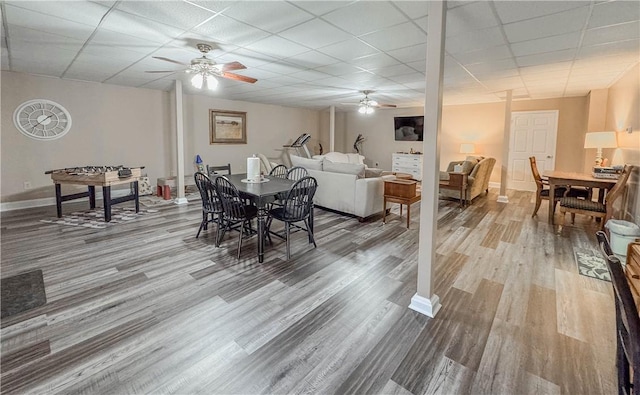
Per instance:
x=332, y=129
x=425, y=301
x=503, y=198
x=180, y=199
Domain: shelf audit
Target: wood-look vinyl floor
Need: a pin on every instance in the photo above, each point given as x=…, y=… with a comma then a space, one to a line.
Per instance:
x=145, y=307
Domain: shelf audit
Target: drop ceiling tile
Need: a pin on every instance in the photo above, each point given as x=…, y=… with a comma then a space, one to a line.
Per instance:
x=410, y=54
x=142, y=28
x=223, y=29
x=374, y=61
x=272, y=16
x=127, y=81
x=365, y=16
x=545, y=68
x=360, y=76
x=602, y=78
x=483, y=55
x=277, y=47
x=614, y=12
x=320, y=7
x=474, y=16
x=47, y=23
x=546, y=76
x=413, y=9
x=619, y=47
x=212, y=6
x=96, y=48
x=408, y=78
x=88, y=13
x=310, y=75
x=398, y=36
x=546, y=58
x=547, y=44
x=285, y=80
x=173, y=13
x=423, y=23
x=608, y=34
x=108, y=38
x=396, y=70
x=281, y=67
x=163, y=85
x=175, y=53
x=52, y=67
x=418, y=66
x=311, y=59
x=551, y=25
x=315, y=34
x=476, y=40
x=86, y=75
x=338, y=69
x=505, y=66
x=512, y=11
x=348, y=50
x=20, y=36
x=503, y=83
x=258, y=73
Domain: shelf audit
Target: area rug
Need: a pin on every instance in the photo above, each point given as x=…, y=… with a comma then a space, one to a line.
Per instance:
x=95, y=218
x=21, y=293
x=591, y=265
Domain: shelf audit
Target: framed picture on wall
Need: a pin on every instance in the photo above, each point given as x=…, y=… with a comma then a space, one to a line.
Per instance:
x=227, y=127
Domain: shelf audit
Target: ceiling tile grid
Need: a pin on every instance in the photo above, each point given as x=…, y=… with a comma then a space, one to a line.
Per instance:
x=312, y=53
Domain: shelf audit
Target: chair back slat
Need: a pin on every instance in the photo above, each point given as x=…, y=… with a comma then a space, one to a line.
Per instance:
x=536, y=174
x=617, y=189
x=279, y=171
x=210, y=201
x=296, y=173
x=299, y=200
x=232, y=204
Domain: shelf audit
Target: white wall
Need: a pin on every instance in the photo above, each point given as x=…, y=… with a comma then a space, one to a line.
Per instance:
x=115, y=125
x=269, y=127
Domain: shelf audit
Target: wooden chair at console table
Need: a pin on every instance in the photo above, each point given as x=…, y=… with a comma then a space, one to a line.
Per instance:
x=401, y=192
x=457, y=182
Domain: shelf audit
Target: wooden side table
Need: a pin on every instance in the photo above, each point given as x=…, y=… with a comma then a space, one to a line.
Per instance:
x=401, y=192
x=457, y=182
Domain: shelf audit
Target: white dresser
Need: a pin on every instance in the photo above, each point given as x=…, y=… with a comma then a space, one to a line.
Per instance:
x=408, y=163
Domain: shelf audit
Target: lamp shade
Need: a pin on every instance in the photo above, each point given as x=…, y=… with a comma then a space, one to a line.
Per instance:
x=467, y=148
x=600, y=140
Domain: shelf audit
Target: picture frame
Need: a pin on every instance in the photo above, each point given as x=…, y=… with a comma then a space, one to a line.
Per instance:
x=227, y=127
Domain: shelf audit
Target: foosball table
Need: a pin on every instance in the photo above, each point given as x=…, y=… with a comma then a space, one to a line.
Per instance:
x=93, y=176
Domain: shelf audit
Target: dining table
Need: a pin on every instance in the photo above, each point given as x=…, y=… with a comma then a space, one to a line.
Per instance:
x=261, y=194
x=562, y=178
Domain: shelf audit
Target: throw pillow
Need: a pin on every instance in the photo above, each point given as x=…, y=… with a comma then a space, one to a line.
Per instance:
x=467, y=166
x=336, y=157
x=345, y=168
x=309, y=164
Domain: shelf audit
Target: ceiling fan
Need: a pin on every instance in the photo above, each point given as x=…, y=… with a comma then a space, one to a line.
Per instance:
x=368, y=105
x=206, y=70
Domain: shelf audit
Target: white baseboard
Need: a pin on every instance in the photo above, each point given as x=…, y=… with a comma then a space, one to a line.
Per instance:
x=22, y=204
x=503, y=199
x=426, y=306
x=182, y=200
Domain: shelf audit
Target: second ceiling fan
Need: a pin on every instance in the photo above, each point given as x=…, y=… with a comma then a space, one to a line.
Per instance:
x=206, y=70
x=367, y=105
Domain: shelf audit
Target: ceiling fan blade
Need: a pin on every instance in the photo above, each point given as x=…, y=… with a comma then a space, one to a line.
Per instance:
x=387, y=105
x=169, y=60
x=231, y=66
x=350, y=104
x=158, y=71
x=239, y=77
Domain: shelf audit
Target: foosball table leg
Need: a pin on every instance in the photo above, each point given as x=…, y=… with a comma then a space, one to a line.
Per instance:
x=106, y=197
x=136, y=196
x=59, y=200
x=92, y=196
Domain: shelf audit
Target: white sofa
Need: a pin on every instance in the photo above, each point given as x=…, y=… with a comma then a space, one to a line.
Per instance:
x=345, y=187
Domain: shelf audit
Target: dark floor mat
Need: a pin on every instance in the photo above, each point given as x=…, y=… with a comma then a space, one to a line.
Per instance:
x=21, y=293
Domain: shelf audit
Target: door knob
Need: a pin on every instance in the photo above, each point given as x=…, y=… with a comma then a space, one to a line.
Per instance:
x=549, y=156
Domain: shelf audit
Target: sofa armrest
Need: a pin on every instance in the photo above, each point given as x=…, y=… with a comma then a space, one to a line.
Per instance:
x=369, y=197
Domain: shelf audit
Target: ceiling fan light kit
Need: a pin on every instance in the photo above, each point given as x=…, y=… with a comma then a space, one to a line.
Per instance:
x=367, y=106
x=206, y=71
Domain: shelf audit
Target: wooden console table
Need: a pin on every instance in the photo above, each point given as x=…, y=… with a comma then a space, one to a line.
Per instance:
x=632, y=271
x=457, y=182
x=401, y=192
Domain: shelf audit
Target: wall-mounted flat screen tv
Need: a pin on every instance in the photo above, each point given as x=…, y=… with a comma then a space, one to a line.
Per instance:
x=409, y=128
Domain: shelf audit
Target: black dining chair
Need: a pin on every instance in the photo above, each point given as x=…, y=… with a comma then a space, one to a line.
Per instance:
x=214, y=170
x=296, y=207
x=237, y=214
x=211, y=204
x=279, y=171
x=297, y=173
x=627, y=323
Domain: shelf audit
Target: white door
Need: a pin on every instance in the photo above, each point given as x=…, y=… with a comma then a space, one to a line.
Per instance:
x=533, y=133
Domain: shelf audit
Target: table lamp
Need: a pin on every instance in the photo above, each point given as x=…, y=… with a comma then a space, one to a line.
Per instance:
x=467, y=148
x=600, y=140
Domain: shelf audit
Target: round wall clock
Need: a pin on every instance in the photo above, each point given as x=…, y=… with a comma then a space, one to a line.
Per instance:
x=42, y=119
